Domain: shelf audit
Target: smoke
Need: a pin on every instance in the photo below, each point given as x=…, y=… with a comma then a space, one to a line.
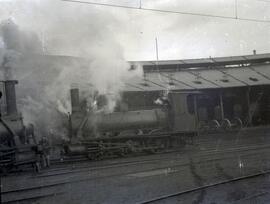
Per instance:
x=44, y=78
x=16, y=40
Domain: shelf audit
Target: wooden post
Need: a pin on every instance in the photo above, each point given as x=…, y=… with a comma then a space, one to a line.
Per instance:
x=196, y=115
x=196, y=110
x=249, y=121
x=221, y=105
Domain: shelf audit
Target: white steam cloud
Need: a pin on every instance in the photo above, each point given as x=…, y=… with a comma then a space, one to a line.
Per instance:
x=45, y=80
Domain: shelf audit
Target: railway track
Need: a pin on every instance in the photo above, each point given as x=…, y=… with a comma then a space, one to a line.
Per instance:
x=214, y=141
x=161, y=199
x=80, y=165
x=25, y=195
x=117, y=164
x=50, y=189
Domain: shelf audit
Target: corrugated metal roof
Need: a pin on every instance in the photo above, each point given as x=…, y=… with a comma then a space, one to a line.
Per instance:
x=205, y=62
x=245, y=74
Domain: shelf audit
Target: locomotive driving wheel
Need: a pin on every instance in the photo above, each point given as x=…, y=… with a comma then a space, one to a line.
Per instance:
x=226, y=124
x=237, y=123
x=214, y=125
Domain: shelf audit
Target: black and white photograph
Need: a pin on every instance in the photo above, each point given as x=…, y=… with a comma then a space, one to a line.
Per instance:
x=134, y=102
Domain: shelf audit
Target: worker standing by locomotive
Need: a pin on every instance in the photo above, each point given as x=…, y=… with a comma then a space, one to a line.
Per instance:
x=45, y=153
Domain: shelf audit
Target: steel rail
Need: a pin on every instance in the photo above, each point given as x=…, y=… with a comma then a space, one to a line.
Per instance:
x=87, y=178
x=179, y=193
x=212, y=152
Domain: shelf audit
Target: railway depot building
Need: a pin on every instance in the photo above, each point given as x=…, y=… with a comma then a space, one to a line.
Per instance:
x=223, y=92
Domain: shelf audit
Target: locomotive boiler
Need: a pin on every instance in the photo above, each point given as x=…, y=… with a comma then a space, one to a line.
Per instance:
x=130, y=120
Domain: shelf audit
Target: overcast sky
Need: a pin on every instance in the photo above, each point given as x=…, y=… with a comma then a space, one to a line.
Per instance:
x=79, y=29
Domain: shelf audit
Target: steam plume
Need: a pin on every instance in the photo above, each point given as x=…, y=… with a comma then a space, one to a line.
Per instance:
x=44, y=80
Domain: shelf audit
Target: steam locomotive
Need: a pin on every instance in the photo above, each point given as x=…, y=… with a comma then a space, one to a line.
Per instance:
x=96, y=134
x=18, y=146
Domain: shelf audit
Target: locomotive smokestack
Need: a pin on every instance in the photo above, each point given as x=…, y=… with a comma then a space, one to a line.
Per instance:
x=11, y=97
x=75, y=100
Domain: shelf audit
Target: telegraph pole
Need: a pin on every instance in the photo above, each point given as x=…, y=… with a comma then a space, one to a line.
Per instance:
x=157, y=49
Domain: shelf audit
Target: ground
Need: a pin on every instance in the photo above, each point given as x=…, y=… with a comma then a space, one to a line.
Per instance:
x=141, y=179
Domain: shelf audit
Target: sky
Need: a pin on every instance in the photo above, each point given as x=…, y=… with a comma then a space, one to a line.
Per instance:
x=66, y=28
